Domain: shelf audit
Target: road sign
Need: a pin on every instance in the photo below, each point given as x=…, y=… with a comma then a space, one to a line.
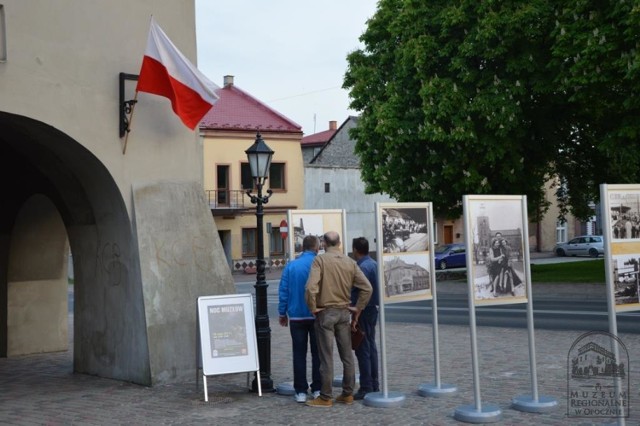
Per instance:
x=284, y=229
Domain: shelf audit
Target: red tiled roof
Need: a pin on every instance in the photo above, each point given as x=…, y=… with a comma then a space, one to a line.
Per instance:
x=237, y=110
x=318, y=138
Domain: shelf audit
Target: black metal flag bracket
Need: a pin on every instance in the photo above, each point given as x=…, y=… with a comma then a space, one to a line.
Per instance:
x=126, y=106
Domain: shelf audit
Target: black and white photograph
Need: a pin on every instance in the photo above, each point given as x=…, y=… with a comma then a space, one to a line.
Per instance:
x=314, y=222
x=406, y=278
x=626, y=281
x=624, y=209
x=497, y=260
x=404, y=229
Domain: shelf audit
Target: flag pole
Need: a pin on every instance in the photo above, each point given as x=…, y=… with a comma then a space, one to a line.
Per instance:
x=129, y=122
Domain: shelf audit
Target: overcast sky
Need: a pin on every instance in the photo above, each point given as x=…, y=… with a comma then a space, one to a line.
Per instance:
x=289, y=54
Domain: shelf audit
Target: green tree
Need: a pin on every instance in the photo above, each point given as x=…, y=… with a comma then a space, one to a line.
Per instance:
x=596, y=65
x=480, y=97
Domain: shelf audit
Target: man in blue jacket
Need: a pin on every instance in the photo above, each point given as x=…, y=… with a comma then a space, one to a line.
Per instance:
x=294, y=312
x=367, y=352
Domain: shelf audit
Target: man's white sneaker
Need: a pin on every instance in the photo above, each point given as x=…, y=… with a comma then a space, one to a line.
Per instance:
x=301, y=397
x=316, y=394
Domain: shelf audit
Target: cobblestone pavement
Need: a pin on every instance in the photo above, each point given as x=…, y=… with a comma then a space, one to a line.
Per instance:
x=42, y=389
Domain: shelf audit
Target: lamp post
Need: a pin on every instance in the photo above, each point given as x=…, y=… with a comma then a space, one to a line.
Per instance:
x=259, y=155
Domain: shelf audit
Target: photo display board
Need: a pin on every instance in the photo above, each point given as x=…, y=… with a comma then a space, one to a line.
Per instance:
x=227, y=334
x=496, y=246
x=318, y=223
x=405, y=246
x=621, y=213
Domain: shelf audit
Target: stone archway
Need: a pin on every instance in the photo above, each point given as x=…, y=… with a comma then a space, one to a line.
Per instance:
x=37, y=160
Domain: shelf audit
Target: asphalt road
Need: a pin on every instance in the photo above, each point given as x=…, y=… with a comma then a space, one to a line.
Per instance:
x=549, y=312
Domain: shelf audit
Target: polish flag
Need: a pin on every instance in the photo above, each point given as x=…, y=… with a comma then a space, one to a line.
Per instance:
x=167, y=72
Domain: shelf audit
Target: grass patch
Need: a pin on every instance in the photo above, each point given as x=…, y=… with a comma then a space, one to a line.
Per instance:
x=591, y=271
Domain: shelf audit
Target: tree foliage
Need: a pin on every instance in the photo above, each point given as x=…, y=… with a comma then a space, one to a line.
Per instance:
x=496, y=97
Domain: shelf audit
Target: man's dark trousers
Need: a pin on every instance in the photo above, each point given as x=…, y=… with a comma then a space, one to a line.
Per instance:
x=367, y=353
x=302, y=335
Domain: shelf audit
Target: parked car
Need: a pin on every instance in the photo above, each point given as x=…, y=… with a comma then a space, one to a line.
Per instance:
x=451, y=256
x=584, y=245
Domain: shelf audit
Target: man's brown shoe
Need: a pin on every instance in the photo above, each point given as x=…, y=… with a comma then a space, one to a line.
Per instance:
x=320, y=402
x=345, y=399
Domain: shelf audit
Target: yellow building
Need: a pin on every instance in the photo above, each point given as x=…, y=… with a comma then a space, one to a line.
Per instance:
x=227, y=131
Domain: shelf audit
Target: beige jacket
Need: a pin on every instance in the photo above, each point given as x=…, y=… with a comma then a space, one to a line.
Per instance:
x=331, y=279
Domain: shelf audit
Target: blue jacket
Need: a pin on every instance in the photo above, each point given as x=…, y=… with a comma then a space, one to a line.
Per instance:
x=370, y=269
x=292, y=286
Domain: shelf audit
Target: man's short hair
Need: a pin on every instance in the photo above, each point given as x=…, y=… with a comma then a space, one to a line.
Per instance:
x=361, y=245
x=310, y=242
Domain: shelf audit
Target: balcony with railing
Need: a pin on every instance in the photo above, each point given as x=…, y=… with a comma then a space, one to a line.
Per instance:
x=224, y=202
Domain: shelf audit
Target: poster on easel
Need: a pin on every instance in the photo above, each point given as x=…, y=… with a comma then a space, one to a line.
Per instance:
x=227, y=335
x=315, y=222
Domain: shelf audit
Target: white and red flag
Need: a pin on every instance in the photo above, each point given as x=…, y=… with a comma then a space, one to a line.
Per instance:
x=167, y=72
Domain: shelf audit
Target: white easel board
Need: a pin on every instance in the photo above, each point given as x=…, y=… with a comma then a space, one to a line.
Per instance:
x=227, y=335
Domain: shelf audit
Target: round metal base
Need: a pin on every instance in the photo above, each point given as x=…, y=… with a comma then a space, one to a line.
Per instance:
x=337, y=380
x=470, y=414
x=526, y=403
x=285, y=388
x=378, y=399
x=430, y=389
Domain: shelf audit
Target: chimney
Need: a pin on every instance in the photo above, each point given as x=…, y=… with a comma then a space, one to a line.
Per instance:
x=333, y=125
x=228, y=80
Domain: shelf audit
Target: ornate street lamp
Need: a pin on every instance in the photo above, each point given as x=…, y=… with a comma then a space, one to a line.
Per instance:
x=259, y=155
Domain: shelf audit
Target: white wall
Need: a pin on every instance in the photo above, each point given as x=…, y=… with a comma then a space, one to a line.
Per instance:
x=62, y=67
x=346, y=192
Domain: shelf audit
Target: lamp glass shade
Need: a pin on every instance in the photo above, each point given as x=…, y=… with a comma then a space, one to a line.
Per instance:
x=259, y=156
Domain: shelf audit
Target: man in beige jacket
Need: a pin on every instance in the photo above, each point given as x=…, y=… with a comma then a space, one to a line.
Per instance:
x=328, y=296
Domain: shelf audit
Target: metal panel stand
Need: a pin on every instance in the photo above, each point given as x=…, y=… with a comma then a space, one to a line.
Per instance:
x=385, y=398
x=474, y=413
x=285, y=388
x=436, y=389
x=533, y=403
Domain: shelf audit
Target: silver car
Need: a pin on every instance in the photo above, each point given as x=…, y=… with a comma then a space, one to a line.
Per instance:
x=584, y=245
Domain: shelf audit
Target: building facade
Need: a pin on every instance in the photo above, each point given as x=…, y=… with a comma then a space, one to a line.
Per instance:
x=312, y=145
x=333, y=181
x=143, y=243
x=227, y=131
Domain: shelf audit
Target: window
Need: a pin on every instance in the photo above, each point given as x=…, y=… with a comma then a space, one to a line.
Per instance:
x=276, y=243
x=276, y=176
x=246, y=180
x=222, y=184
x=3, y=36
x=317, y=150
x=435, y=232
x=327, y=187
x=561, y=232
x=249, y=242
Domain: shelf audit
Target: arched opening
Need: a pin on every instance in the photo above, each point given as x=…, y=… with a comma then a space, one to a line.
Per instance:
x=46, y=173
x=37, y=283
